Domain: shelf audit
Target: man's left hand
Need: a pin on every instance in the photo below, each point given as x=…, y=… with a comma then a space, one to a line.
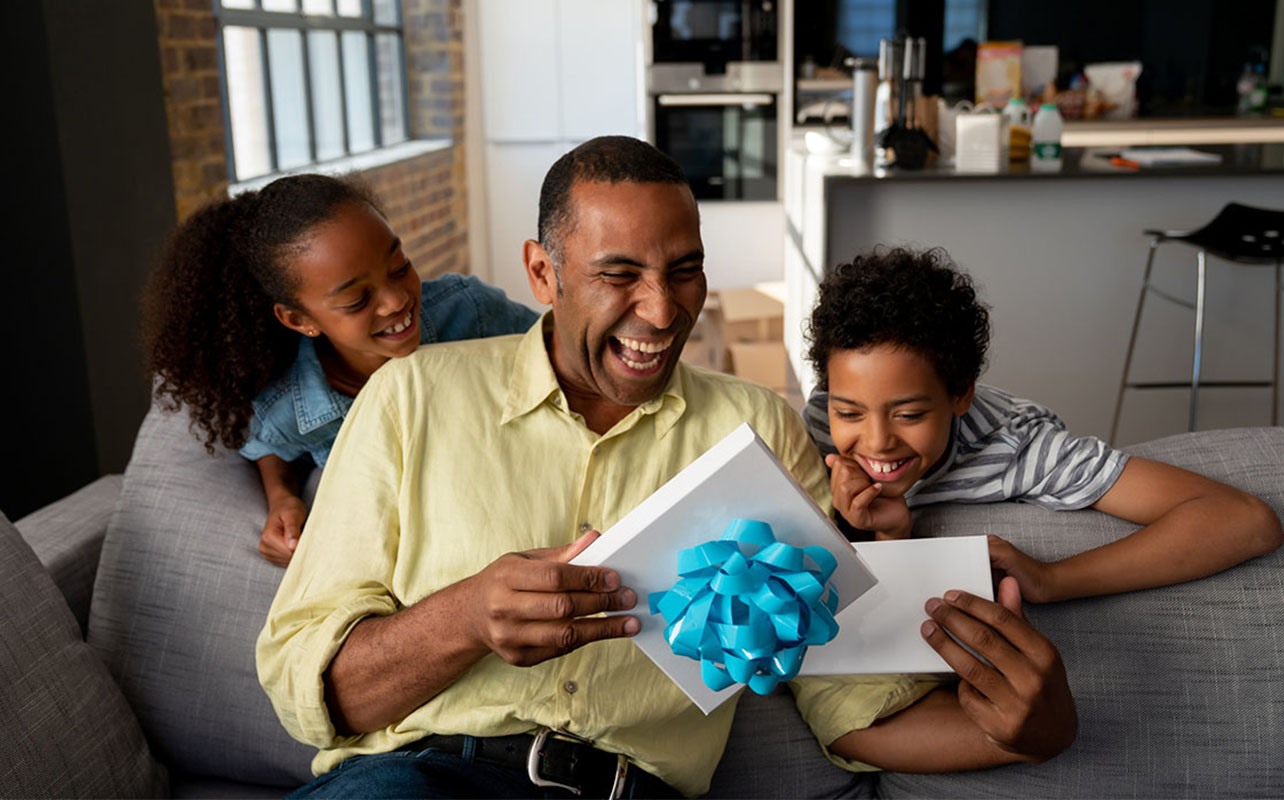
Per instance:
x=1021, y=699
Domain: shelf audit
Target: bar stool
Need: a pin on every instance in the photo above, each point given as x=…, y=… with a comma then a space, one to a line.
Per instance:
x=1242, y=234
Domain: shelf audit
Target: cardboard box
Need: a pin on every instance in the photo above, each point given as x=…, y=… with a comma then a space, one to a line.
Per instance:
x=766, y=363
x=750, y=315
x=704, y=347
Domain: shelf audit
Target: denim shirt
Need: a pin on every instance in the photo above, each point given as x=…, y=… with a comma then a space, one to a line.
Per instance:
x=300, y=414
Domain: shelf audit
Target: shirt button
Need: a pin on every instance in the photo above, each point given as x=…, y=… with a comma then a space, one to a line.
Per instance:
x=570, y=687
x=585, y=527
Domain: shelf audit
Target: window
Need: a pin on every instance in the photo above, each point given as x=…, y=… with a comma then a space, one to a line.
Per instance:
x=306, y=81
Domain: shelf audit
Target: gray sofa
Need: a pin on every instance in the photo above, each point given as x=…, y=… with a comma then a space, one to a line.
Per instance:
x=1179, y=690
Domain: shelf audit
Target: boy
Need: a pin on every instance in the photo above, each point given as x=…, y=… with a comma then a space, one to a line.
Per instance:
x=898, y=339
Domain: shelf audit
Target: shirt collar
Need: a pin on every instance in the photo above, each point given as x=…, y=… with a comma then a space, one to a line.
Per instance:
x=316, y=402
x=533, y=383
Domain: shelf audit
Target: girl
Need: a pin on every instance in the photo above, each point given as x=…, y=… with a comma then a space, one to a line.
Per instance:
x=270, y=310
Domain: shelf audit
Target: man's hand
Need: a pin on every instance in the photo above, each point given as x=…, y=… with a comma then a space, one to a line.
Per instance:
x=1020, y=700
x=525, y=607
x=1036, y=579
x=533, y=606
x=282, y=529
x=857, y=498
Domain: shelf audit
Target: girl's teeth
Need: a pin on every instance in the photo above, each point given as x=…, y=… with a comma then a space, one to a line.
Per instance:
x=399, y=327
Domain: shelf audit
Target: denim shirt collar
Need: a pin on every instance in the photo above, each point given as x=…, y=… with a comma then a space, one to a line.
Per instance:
x=316, y=402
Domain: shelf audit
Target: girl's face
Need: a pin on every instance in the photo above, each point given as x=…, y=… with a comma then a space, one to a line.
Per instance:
x=356, y=287
x=891, y=412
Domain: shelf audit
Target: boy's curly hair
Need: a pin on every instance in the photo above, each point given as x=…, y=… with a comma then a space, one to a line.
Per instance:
x=210, y=337
x=918, y=300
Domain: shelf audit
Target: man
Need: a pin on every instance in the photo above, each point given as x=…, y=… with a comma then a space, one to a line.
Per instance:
x=430, y=614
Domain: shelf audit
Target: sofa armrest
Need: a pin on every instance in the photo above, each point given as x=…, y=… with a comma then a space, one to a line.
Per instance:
x=67, y=537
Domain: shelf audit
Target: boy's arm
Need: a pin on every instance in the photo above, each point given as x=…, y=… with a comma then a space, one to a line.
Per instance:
x=1016, y=708
x=1194, y=526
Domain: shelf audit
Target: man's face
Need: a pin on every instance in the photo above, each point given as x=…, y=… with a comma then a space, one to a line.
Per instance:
x=631, y=285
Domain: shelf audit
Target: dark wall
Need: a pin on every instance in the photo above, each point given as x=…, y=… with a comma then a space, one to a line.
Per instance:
x=1192, y=51
x=94, y=200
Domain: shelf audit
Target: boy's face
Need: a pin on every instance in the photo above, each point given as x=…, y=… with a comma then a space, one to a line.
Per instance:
x=890, y=412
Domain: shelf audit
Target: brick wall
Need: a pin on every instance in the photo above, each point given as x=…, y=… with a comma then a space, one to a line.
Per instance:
x=189, y=72
x=424, y=197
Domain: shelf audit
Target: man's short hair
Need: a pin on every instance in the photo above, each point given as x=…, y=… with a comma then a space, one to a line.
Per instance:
x=606, y=159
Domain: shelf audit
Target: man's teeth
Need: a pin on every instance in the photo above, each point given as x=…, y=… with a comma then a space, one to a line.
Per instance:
x=641, y=364
x=646, y=347
x=399, y=327
x=885, y=466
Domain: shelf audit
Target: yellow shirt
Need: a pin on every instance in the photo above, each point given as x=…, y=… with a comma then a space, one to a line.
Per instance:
x=465, y=451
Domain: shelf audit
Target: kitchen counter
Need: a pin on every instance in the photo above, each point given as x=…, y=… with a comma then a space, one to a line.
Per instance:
x=1077, y=162
x=1059, y=258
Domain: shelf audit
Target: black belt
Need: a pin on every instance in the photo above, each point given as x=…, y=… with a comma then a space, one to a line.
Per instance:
x=557, y=759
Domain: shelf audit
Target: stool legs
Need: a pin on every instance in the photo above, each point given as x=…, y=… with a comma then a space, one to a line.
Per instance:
x=1199, y=339
x=1275, y=363
x=1132, y=338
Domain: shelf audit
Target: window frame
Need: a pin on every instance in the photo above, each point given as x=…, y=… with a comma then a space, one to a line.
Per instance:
x=263, y=21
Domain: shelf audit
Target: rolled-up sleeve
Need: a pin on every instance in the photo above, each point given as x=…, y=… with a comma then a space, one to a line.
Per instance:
x=838, y=704
x=341, y=572
x=835, y=705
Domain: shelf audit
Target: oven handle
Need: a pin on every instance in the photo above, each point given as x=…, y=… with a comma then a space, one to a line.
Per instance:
x=720, y=99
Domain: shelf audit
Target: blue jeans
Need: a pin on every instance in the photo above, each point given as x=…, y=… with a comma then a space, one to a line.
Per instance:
x=428, y=774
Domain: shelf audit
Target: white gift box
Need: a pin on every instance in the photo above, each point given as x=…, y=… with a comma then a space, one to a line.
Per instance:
x=741, y=478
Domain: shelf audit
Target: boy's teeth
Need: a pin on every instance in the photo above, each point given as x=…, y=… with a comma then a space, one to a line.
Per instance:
x=886, y=466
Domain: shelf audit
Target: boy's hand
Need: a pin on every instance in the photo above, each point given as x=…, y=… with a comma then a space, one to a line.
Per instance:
x=281, y=530
x=1022, y=702
x=857, y=498
x=1035, y=578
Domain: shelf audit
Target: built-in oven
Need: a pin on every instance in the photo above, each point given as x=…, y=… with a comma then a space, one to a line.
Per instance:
x=714, y=33
x=726, y=143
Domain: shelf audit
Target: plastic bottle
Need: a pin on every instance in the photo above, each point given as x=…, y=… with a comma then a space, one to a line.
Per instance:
x=1047, y=138
x=1244, y=89
x=1018, y=114
x=1257, y=96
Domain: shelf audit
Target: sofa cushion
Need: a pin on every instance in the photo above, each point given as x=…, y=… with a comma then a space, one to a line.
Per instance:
x=772, y=753
x=180, y=597
x=1178, y=689
x=68, y=730
x=67, y=537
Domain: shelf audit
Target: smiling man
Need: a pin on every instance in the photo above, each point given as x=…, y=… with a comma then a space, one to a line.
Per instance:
x=430, y=636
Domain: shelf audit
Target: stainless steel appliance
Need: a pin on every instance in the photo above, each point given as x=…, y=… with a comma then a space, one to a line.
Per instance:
x=714, y=81
x=714, y=33
x=726, y=143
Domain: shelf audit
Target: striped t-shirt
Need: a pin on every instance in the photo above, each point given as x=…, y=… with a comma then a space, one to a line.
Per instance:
x=1003, y=448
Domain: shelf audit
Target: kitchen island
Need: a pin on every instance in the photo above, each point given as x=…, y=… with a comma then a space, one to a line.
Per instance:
x=1059, y=258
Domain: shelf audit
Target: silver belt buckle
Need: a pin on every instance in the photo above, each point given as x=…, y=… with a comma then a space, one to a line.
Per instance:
x=537, y=748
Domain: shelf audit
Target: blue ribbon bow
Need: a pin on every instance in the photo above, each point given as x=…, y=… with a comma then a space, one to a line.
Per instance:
x=749, y=618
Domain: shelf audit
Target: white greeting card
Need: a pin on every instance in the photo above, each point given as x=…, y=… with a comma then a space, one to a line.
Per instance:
x=880, y=631
x=739, y=477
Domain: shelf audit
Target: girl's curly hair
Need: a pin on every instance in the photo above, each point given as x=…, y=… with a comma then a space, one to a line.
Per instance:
x=210, y=337
x=904, y=298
